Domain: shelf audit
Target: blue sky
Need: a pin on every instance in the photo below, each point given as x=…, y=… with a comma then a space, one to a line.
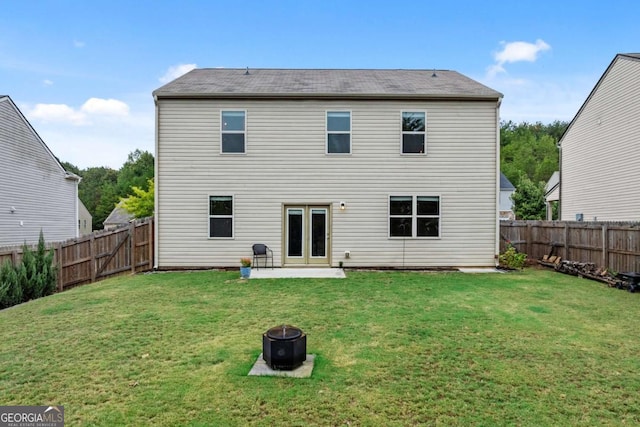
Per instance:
x=83, y=71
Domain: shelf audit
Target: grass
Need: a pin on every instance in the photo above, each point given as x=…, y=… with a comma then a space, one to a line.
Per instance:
x=392, y=348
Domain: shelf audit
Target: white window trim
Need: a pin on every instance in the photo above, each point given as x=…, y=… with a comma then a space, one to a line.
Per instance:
x=402, y=132
x=246, y=138
x=232, y=216
x=414, y=216
x=327, y=132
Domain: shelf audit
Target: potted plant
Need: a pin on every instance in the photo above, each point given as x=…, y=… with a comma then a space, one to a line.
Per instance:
x=245, y=267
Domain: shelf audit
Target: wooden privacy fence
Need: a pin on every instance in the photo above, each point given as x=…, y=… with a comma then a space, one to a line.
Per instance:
x=612, y=245
x=100, y=255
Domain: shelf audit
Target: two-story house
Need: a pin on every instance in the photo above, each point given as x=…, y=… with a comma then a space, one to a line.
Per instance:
x=599, y=151
x=36, y=193
x=367, y=168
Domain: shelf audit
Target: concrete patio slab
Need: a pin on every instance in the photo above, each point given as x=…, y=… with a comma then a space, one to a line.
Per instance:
x=480, y=270
x=260, y=368
x=283, y=273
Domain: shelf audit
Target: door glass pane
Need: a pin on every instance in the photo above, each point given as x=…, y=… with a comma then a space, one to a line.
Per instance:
x=295, y=233
x=318, y=232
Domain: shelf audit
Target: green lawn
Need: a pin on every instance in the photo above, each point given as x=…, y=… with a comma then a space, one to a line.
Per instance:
x=392, y=348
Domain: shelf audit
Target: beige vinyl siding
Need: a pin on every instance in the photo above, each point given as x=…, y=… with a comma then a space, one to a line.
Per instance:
x=600, y=151
x=285, y=163
x=33, y=182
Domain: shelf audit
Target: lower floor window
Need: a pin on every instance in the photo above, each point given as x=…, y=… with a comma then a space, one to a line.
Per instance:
x=220, y=216
x=414, y=216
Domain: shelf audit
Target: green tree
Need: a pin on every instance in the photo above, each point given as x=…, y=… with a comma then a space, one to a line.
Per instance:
x=10, y=290
x=141, y=202
x=528, y=199
x=135, y=172
x=97, y=190
x=36, y=273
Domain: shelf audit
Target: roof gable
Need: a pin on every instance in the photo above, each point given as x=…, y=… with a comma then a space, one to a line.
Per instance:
x=618, y=57
x=310, y=83
x=9, y=101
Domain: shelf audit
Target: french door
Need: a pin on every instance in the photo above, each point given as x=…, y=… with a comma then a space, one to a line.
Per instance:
x=306, y=235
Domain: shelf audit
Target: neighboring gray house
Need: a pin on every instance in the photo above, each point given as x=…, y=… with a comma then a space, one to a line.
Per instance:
x=600, y=150
x=379, y=168
x=36, y=193
x=506, y=204
x=118, y=217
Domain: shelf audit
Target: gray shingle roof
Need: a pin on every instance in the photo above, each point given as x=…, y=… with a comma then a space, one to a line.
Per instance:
x=263, y=82
x=505, y=184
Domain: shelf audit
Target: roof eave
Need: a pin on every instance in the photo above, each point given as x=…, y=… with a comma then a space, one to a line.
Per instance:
x=365, y=96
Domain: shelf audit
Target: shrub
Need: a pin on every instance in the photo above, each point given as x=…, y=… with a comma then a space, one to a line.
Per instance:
x=10, y=290
x=511, y=258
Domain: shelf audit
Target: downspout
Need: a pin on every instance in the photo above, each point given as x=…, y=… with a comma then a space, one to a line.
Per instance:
x=156, y=186
x=497, y=198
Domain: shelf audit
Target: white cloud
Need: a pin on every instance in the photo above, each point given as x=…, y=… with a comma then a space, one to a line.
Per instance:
x=49, y=113
x=107, y=107
x=47, y=82
x=516, y=52
x=93, y=110
x=78, y=44
x=176, y=71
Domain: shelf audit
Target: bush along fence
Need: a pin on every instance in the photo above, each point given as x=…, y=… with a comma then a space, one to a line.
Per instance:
x=95, y=257
x=614, y=246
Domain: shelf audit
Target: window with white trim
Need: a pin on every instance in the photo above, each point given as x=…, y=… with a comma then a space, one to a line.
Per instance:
x=233, y=132
x=414, y=135
x=414, y=216
x=338, y=132
x=221, y=216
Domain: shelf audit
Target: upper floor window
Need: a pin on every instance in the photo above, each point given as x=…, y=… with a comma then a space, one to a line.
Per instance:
x=414, y=132
x=414, y=216
x=233, y=132
x=338, y=132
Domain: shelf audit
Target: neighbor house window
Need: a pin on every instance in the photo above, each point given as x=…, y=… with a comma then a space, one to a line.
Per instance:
x=338, y=132
x=233, y=130
x=220, y=216
x=414, y=216
x=414, y=132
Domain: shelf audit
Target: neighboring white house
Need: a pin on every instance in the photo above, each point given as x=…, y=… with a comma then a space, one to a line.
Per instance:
x=506, y=204
x=36, y=193
x=600, y=150
x=379, y=168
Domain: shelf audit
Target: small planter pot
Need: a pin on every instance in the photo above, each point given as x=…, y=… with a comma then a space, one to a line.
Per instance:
x=245, y=272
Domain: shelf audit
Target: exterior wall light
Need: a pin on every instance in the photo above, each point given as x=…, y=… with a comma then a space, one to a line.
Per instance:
x=343, y=206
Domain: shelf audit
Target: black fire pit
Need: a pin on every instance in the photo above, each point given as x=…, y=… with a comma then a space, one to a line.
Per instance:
x=284, y=347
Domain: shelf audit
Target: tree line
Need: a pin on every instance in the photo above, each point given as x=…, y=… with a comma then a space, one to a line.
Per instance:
x=101, y=188
x=528, y=157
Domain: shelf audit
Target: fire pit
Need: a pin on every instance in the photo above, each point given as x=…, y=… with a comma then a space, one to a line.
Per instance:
x=284, y=347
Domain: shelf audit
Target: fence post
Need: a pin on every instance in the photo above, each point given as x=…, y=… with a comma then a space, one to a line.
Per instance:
x=92, y=254
x=150, y=238
x=132, y=243
x=566, y=240
x=58, y=251
x=605, y=245
x=528, y=242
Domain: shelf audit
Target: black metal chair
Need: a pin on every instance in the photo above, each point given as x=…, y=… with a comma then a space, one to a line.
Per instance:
x=261, y=250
